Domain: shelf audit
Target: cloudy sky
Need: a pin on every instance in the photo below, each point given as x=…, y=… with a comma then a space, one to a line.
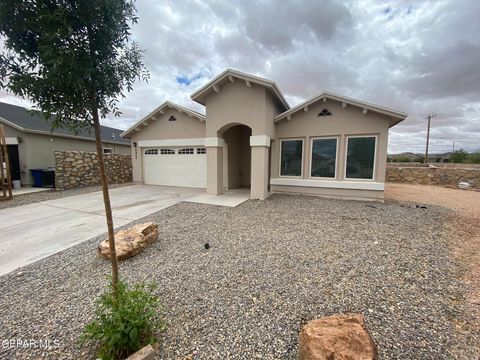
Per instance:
x=415, y=56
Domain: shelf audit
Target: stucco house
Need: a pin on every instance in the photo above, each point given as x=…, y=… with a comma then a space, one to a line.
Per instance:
x=329, y=145
x=31, y=142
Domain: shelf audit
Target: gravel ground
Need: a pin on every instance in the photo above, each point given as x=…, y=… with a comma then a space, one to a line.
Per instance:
x=272, y=266
x=31, y=198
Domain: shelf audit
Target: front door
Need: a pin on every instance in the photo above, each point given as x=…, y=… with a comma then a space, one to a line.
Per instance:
x=14, y=161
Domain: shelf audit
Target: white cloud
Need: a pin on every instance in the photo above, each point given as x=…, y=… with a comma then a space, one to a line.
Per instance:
x=416, y=56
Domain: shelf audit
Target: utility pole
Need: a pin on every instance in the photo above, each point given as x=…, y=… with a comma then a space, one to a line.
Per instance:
x=429, y=117
x=453, y=147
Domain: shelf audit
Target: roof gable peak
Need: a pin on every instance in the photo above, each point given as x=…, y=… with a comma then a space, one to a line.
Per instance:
x=153, y=115
x=231, y=75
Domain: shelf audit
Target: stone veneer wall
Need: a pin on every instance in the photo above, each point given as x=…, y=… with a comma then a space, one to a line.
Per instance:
x=441, y=176
x=441, y=165
x=77, y=168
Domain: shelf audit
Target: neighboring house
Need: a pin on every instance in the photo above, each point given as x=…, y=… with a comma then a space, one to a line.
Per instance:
x=329, y=145
x=31, y=142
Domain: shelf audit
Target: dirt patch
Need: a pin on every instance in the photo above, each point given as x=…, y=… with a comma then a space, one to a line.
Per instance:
x=464, y=226
x=465, y=202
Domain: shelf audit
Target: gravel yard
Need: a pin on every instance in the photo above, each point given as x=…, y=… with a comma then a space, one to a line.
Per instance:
x=272, y=266
x=26, y=199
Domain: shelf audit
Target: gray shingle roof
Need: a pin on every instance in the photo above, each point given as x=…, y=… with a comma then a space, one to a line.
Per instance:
x=30, y=121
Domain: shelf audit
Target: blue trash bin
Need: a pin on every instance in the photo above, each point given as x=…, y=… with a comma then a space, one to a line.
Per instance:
x=37, y=175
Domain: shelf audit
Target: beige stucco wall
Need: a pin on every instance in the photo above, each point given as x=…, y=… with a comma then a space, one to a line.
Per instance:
x=342, y=123
x=236, y=103
x=185, y=127
x=37, y=150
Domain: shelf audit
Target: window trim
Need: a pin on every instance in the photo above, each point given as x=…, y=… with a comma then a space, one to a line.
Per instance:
x=154, y=151
x=374, y=172
x=337, y=138
x=280, y=159
x=167, y=151
x=107, y=148
x=183, y=151
x=203, y=151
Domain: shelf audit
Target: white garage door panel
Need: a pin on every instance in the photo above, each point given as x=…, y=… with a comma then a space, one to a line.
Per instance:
x=189, y=170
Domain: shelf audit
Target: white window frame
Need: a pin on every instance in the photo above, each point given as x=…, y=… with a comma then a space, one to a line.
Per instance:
x=167, y=151
x=203, y=151
x=347, y=138
x=280, y=159
x=337, y=138
x=154, y=152
x=183, y=151
x=107, y=148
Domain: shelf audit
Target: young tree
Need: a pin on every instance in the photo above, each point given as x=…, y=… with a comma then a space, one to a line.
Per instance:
x=73, y=59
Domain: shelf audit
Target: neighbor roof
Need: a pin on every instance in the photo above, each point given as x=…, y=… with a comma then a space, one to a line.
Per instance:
x=24, y=120
x=161, y=109
x=395, y=116
x=230, y=75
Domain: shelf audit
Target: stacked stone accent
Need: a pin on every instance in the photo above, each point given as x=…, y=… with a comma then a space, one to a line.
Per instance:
x=441, y=176
x=441, y=165
x=77, y=168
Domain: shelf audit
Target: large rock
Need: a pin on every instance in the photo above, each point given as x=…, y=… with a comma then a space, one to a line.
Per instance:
x=338, y=337
x=130, y=242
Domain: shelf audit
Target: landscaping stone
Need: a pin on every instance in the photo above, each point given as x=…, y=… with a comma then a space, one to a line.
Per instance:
x=130, y=242
x=145, y=353
x=341, y=337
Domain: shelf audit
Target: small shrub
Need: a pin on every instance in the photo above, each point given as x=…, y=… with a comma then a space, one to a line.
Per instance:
x=126, y=323
x=459, y=156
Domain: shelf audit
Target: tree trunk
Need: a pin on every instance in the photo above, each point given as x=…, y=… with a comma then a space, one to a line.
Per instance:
x=106, y=200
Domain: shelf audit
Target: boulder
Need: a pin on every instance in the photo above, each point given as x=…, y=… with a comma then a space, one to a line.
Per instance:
x=338, y=337
x=130, y=242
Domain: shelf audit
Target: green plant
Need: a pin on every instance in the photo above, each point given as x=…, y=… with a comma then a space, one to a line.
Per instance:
x=419, y=159
x=402, y=159
x=459, y=156
x=474, y=158
x=126, y=321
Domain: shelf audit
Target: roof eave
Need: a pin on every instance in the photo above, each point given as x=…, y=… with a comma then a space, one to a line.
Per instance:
x=200, y=94
x=167, y=103
x=379, y=109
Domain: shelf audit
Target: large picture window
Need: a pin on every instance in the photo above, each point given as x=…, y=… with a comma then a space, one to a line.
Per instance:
x=360, y=157
x=324, y=158
x=291, y=156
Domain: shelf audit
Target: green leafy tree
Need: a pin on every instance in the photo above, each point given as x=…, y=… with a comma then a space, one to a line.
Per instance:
x=73, y=59
x=459, y=156
x=474, y=158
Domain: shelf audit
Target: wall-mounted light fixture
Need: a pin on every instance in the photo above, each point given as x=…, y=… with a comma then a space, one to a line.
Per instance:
x=19, y=139
x=134, y=144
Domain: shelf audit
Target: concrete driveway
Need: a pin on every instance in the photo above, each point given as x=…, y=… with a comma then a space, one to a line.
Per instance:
x=31, y=232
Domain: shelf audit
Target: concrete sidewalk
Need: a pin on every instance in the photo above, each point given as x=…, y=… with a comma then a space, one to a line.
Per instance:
x=31, y=232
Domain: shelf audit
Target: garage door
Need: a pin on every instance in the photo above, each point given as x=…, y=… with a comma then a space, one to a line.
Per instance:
x=185, y=166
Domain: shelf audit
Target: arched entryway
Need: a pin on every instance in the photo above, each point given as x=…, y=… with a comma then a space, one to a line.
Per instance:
x=237, y=156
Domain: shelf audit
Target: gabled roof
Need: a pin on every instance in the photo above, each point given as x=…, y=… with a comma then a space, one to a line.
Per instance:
x=24, y=120
x=395, y=116
x=161, y=110
x=231, y=75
